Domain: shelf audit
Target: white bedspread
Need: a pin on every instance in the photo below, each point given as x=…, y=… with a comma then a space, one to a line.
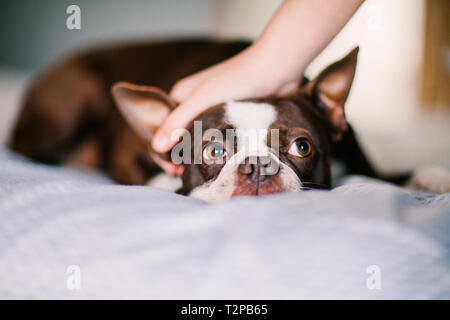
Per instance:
x=141, y=242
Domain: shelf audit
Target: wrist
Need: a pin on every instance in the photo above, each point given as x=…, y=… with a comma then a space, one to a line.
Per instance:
x=270, y=63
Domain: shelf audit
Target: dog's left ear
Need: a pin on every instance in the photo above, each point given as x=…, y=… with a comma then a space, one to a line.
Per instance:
x=330, y=90
x=145, y=108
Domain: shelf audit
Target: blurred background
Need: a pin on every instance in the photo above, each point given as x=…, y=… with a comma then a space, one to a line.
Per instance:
x=399, y=103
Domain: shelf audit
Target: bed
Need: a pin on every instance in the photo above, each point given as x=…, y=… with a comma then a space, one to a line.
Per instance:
x=69, y=234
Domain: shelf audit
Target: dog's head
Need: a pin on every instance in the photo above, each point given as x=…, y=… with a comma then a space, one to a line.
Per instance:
x=255, y=146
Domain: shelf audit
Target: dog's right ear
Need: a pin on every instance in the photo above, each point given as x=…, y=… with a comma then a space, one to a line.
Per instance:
x=331, y=88
x=145, y=108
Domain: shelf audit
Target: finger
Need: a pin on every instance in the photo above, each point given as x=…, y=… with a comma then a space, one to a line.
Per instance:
x=169, y=167
x=165, y=138
x=185, y=87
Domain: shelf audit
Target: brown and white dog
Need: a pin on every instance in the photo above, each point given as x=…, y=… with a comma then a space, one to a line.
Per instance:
x=251, y=147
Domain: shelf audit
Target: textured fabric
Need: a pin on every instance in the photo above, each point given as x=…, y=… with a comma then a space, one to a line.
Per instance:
x=141, y=242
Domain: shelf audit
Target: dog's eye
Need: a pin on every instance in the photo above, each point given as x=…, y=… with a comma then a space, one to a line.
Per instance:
x=213, y=151
x=300, y=148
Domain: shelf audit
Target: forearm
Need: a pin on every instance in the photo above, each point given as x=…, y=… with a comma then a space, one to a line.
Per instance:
x=300, y=30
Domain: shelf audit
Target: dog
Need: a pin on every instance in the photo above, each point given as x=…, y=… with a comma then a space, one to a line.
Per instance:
x=100, y=109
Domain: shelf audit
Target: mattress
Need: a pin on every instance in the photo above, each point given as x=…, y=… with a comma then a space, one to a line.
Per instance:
x=68, y=234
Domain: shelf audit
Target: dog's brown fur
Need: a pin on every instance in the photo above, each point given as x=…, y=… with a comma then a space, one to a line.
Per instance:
x=68, y=114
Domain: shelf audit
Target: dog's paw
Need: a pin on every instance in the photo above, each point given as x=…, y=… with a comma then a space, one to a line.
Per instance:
x=165, y=182
x=430, y=179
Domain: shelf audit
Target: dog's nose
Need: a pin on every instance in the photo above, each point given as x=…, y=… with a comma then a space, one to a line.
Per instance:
x=258, y=168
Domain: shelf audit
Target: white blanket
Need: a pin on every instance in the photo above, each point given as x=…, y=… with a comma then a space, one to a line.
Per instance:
x=68, y=235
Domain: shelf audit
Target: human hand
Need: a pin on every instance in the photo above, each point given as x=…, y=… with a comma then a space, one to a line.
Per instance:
x=245, y=75
x=297, y=32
